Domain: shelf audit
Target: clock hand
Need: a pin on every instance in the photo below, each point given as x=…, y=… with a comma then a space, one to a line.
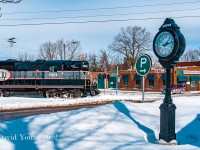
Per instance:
x=166, y=42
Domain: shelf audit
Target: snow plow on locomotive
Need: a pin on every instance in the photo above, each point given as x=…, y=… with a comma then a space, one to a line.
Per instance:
x=50, y=78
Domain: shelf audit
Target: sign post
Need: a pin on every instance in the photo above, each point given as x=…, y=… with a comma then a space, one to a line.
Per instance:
x=143, y=66
x=117, y=80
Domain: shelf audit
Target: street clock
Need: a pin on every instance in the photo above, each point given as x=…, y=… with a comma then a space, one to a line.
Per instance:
x=168, y=46
x=169, y=43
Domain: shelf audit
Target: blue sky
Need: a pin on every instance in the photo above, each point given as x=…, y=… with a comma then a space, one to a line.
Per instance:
x=93, y=36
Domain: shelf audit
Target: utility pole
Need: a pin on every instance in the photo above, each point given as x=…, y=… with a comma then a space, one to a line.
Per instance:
x=64, y=51
x=11, y=41
x=64, y=48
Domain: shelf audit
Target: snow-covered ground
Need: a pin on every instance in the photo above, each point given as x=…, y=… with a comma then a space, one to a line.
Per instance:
x=120, y=125
x=18, y=103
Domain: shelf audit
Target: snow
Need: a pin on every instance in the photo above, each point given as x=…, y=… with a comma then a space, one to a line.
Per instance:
x=18, y=103
x=121, y=125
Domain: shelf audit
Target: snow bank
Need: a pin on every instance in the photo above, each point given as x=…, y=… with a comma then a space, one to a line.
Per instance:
x=120, y=126
x=18, y=103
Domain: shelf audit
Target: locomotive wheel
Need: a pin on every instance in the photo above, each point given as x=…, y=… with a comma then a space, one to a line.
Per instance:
x=6, y=93
x=92, y=92
x=84, y=93
x=64, y=94
x=77, y=94
x=43, y=93
x=97, y=91
x=50, y=93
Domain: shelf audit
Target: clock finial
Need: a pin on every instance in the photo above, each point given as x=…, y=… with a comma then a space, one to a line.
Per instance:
x=169, y=23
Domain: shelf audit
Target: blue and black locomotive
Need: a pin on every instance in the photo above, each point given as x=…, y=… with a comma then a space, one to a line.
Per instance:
x=51, y=78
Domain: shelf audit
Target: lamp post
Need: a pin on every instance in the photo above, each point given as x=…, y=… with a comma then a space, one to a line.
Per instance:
x=65, y=45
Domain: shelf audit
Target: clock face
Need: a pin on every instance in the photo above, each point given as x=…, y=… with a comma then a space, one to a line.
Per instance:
x=164, y=44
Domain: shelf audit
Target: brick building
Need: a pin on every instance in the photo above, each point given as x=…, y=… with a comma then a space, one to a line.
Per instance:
x=187, y=73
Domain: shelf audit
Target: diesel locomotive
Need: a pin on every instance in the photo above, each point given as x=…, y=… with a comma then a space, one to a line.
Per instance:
x=50, y=78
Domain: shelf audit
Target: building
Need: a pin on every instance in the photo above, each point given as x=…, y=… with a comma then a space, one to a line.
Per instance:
x=187, y=73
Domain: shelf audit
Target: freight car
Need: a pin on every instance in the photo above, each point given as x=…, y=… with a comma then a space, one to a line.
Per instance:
x=50, y=78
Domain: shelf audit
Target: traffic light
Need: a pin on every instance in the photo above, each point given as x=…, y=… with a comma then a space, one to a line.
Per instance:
x=103, y=76
x=99, y=76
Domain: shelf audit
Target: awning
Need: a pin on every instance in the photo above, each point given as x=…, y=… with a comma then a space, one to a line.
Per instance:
x=125, y=77
x=183, y=78
x=194, y=78
x=150, y=76
x=137, y=77
x=163, y=77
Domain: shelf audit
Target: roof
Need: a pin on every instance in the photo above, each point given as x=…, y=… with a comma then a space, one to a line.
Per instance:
x=188, y=63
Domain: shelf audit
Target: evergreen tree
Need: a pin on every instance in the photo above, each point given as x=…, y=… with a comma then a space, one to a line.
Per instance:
x=104, y=64
x=94, y=64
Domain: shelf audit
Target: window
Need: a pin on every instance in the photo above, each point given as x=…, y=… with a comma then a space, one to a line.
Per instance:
x=182, y=79
x=193, y=84
x=164, y=79
x=151, y=77
x=137, y=79
x=125, y=78
x=138, y=83
x=151, y=83
x=125, y=82
x=164, y=82
x=194, y=81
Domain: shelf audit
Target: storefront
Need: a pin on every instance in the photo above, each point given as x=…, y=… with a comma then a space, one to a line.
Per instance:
x=130, y=80
x=188, y=76
x=186, y=73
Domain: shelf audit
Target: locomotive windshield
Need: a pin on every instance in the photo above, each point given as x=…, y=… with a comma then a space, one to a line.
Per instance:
x=76, y=65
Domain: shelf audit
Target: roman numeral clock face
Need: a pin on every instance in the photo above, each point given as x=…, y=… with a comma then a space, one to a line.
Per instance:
x=164, y=44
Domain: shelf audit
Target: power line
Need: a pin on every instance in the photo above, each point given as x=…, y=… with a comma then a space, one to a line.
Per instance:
x=91, y=21
x=107, y=15
x=103, y=8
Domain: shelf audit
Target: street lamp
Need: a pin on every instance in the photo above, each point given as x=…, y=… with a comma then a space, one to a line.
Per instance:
x=65, y=45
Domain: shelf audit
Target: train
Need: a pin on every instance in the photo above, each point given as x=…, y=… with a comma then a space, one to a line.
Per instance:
x=49, y=78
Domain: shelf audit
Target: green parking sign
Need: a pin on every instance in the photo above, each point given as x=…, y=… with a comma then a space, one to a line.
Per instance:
x=143, y=65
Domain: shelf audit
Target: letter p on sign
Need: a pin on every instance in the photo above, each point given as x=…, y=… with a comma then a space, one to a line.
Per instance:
x=143, y=61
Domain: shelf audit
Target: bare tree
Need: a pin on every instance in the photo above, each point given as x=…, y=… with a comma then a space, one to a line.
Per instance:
x=10, y=1
x=81, y=56
x=191, y=55
x=73, y=49
x=25, y=56
x=48, y=51
x=70, y=50
x=60, y=48
x=130, y=43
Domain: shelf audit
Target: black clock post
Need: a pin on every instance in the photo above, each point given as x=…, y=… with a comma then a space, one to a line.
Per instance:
x=168, y=46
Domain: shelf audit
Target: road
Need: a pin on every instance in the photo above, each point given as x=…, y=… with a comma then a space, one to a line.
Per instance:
x=17, y=114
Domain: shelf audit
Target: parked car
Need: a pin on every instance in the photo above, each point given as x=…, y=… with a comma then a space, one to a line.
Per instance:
x=177, y=88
